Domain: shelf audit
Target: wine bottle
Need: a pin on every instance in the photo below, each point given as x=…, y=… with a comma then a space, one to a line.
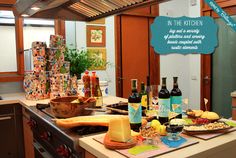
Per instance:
x=176, y=99
x=98, y=94
x=86, y=81
x=164, y=103
x=143, y=96
x=149, y=94
x=134, y=107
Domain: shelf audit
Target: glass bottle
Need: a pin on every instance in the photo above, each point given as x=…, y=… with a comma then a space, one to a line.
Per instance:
x=86, y=81
x=149, y=94
x=164, y=103
x=176, y=98
x=134, y=107
x=98, y=94
x=143, y=95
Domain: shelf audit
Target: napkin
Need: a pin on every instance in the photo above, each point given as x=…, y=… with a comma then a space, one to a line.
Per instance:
x=142, y=148
x=173, y=143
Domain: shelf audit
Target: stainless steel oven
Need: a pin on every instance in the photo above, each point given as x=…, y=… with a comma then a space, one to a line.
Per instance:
x=40, y=152
x=50, y=141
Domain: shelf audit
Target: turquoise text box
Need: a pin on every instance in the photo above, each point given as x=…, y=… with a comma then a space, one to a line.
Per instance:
x=230, y=22
x=184, y=35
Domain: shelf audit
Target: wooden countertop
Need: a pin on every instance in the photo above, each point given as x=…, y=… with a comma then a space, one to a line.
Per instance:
x=222, y=146
x=12, y=98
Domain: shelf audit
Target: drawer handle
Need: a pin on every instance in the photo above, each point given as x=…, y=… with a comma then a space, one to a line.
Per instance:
x=5, y=118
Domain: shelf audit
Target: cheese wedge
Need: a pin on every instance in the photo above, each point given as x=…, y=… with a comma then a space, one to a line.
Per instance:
x=119, y=129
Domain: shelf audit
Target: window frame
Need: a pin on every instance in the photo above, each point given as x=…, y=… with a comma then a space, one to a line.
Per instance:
x=59, y=27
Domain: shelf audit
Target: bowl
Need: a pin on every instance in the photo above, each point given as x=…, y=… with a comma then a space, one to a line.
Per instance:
x=63, y=108
x=149, y=134
x=173, y=131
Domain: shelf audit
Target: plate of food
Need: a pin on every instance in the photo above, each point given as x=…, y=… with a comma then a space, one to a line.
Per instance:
x=209, y=115
x=215, y=127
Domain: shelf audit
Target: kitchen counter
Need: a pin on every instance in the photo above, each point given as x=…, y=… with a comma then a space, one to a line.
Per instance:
x=222, y=146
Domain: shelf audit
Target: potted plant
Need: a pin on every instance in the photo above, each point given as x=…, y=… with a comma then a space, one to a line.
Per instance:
x=81, y=61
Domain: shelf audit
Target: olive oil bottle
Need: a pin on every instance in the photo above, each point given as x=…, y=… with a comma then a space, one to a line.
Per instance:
x=98, y=94
x=176, y=98
x=134, y=107
x=143, y=95
x=164, y=103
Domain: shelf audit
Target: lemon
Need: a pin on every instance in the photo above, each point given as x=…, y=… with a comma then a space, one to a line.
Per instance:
x=162, y=130
x=155, y=124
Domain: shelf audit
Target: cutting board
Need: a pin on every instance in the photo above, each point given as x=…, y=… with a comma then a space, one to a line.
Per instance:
x=108, y=143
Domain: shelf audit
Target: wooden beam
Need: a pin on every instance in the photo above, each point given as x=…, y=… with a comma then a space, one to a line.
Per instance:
x=59, y=13
x=11, y=2
x=24, y=6
x=11, y=78
x=6, y=8
x=59, y=26
x=118, y=11
x=19, y=44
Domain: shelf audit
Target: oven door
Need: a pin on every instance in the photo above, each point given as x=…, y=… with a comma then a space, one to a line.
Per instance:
x=39, y=151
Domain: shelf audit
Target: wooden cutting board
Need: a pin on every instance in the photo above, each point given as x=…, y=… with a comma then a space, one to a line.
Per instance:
x=108, y=143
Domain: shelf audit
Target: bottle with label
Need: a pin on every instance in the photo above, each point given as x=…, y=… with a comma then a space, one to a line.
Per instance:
x=164, y=103
x=176, y=99
x=134, y=107
x=98, y=94
x=93, y=83
x=149, y=94
x=143, y=95
x=86, y=81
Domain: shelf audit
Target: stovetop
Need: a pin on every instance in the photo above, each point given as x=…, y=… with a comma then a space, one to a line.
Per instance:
x=80, y=131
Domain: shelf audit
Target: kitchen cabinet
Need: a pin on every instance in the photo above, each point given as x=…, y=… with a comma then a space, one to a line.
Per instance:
x=135, y=57
x=28, y=135
x=89, y=155
x=11, y=144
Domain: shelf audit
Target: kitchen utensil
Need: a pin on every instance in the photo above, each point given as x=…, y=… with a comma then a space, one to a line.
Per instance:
x=121, y=108
x=63, y=108
x=108, y=143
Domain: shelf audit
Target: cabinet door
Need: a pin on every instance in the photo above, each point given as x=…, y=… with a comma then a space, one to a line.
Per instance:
x=28, y=136
x=8, y=144
x=135, y=45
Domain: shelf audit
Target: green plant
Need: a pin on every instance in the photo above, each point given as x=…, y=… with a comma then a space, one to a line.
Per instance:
x=80, y=60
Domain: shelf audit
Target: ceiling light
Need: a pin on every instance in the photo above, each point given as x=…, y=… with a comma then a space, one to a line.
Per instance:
x=24, y=15
x=35, y=8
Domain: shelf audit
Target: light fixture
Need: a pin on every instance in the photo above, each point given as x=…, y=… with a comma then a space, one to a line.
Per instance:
x=35, y=8
x=24, y=15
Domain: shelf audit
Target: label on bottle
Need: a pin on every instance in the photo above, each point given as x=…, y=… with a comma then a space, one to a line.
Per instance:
x=164, y=107
x=99, y=101
x=176, y=104
x=135, y=112
x=144, y=101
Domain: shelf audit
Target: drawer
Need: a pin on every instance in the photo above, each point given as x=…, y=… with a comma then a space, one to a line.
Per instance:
x=7, y=109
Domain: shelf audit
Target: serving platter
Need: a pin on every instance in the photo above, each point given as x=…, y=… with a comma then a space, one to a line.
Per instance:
x=201, y=129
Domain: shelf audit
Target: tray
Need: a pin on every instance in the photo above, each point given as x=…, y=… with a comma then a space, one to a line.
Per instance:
x=162, y=148
x=194, y=132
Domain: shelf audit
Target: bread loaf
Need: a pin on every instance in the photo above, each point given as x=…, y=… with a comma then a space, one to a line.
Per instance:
x=97, y=120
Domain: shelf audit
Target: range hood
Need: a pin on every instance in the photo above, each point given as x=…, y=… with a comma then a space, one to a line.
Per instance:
x=79, y=10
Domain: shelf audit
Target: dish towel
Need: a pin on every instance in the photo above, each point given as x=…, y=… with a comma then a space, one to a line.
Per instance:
x=173, y=143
